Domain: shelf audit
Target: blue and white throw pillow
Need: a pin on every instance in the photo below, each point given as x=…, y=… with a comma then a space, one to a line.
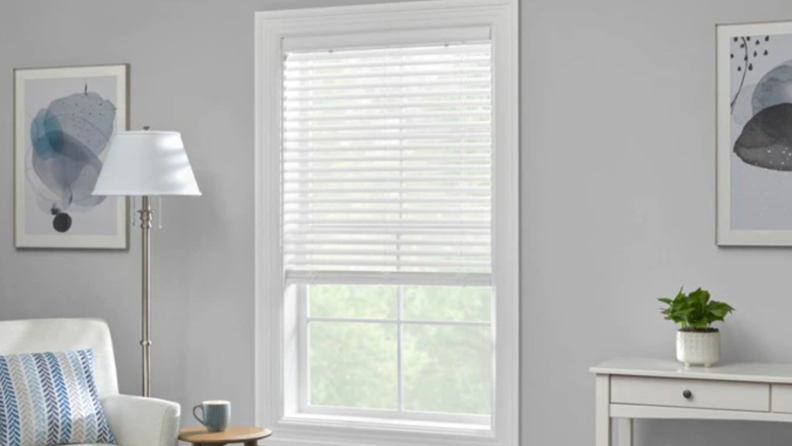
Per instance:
x=49, y=399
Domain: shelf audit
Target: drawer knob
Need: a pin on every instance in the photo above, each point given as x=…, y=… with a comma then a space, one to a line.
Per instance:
x=687, y=394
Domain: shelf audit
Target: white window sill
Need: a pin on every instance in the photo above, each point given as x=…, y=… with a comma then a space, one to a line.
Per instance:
x=308, y=420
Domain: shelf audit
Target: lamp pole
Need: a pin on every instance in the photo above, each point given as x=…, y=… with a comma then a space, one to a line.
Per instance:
x=145, y=225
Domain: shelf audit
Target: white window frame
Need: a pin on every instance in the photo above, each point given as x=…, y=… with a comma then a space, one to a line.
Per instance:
x=277, y=405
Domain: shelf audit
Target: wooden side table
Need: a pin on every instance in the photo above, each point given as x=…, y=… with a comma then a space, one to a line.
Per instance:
x=199, y=436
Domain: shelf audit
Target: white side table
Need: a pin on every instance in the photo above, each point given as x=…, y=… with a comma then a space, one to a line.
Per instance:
x=628, y=389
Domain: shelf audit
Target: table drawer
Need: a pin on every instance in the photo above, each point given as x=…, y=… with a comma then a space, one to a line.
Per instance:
x=782, y=398
x=691, y=393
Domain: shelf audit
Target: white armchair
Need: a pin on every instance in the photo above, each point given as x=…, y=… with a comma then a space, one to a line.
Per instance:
x=135, y=421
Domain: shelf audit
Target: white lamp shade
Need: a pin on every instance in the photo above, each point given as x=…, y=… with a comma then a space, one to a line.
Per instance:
x=146, y=163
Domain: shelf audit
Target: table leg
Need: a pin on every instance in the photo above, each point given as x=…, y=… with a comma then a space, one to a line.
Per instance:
x=251, y=443
x=625, y=431
x=603, y=420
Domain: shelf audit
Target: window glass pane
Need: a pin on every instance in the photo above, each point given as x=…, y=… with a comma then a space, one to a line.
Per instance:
x=447, y=369
x=353, y=365
x=358, y=301
x=461, y=304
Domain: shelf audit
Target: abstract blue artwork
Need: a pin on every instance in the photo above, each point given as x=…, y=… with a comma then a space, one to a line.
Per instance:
x=65, y=120
x=68, y=136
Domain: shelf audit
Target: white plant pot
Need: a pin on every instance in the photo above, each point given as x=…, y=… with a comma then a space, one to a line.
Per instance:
x=694, y=348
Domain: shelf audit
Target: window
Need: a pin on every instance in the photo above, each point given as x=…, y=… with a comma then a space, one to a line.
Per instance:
x=387, y=223
x=387, y=183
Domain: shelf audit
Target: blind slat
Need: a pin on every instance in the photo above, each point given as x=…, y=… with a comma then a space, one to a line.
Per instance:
x=382, y=95
x=384, y=61
x=454, y=50
x=384, y=253
x=390, y=105
x=465, y=116
x=408, y=158
x=440, y=126
x=451, y=71
x=448, y=191
x=380, y=179
x=404, y=211
x=403, y=147
x=300, y=241
x=387, y=231
x=425, y=168
x=444, y=224
x=405, y=200
x=347, y=228
x=395, y=277
x=389, y=136
x=298, y=87
x=369, y=264
x=372, y=222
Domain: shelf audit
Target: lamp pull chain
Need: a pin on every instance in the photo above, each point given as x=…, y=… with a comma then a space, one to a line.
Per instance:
x=134, y=208
x=159, y=209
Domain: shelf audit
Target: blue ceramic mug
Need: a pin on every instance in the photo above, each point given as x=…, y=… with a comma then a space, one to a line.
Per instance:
x=216, y=415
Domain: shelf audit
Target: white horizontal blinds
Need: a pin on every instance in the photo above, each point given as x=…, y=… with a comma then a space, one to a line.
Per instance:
x=387, y=162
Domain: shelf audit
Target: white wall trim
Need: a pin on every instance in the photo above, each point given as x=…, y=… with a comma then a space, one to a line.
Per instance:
x=271, y=29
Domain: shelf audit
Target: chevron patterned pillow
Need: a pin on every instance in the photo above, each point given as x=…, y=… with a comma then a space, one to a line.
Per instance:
x=49, y=399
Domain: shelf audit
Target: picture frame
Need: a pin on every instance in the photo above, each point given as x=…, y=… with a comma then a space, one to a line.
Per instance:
x=754, y=142
x=64, y=121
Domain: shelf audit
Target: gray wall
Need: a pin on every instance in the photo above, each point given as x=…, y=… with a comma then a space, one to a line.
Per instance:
x=618, y=198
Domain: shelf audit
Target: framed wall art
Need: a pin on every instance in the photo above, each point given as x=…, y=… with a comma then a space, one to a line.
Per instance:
x=754, y=134
x=64, y=120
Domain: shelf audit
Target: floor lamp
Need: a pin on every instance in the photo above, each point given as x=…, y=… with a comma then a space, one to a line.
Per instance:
x=146, y=164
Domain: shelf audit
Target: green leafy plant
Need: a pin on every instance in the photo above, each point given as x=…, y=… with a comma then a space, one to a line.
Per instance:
x=695, y=311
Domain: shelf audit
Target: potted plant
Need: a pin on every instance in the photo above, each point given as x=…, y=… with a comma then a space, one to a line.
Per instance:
x=698, y=343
